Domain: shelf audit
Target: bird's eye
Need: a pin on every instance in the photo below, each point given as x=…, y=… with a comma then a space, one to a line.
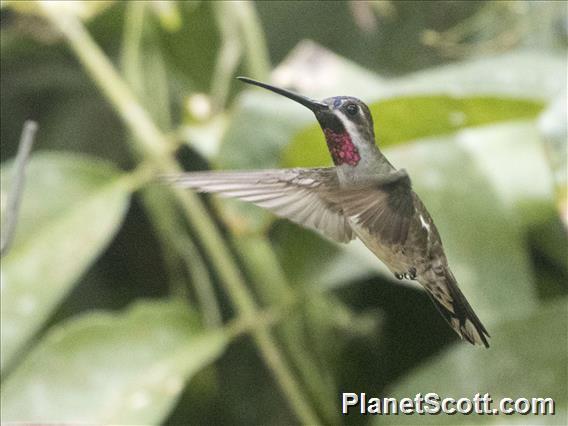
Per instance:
x=352, y=109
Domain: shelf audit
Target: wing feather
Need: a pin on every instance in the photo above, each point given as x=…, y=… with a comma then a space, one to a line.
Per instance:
x=301, y=195
x=384, y=207
x=314, y=198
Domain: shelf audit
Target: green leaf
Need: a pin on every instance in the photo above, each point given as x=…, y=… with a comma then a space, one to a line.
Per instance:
x=518, y=74
x=527, y=359
x=323, y=263
x=103, y=368
x=320, y=73
x=191, y=62
x=554, y=127
x=71, y=207
x=262, y=124
x=83, y=9
x=511, y=158
x=403, y=119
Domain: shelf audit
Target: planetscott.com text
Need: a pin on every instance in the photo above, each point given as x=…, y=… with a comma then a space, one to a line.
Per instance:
x=432, y=404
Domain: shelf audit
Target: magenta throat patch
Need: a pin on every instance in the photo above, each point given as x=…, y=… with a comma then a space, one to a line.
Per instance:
x=341, y=147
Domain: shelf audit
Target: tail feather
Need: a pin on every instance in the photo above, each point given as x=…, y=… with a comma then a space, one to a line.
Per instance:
x=458, y=312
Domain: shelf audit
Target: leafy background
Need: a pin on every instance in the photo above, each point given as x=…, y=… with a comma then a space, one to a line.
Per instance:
x=125, y=301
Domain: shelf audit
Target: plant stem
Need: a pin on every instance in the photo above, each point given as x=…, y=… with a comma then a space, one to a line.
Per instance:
x=130, y=61
x=256, y=53
x=17, y=189
x=228, y=56
x=154, y=146
x=264, y=267
x=179, y=252
x=178, y=244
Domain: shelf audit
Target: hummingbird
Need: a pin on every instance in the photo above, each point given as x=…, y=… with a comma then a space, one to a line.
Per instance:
x=362, y=196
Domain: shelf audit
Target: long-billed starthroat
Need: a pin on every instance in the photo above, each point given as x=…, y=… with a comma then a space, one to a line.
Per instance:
x=363, y=196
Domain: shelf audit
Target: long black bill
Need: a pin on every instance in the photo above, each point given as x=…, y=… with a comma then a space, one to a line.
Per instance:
x=307, y=102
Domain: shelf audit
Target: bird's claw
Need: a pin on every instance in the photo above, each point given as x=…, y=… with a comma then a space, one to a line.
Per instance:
x=410, y=275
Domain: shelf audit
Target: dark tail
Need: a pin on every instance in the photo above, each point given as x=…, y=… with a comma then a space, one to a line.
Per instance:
x=457, y=311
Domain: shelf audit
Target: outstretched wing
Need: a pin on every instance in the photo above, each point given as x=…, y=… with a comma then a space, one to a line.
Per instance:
x=301, y=195
x=384, y=207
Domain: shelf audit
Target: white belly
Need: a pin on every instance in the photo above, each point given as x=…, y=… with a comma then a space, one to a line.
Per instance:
x=391, y=256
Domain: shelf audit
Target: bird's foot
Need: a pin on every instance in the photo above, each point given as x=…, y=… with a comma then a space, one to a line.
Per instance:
x=410, y=275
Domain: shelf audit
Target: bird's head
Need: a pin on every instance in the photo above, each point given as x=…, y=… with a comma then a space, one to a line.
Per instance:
x=346, y=123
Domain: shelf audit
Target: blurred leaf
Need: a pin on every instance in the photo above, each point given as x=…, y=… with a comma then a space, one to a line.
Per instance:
x=438, y=115
x=551, y=239
x=191, y=51
x=402, y=119
x=142, y=62
x=522, y=74
x=83, y=9
x=553, y=124
x=312, y=261
x=261, y=125
x=315, y=71
x=71, y=207
x=527, y=359
x=510, y=157
x=230, y=52
x=318, y=72
x=205, y=138
x=103, y=368
x=168, y=13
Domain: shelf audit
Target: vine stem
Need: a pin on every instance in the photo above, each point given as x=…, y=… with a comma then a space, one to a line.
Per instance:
x=256, y=53
x=155, y=147
x=15, y=193
x=180, y=254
